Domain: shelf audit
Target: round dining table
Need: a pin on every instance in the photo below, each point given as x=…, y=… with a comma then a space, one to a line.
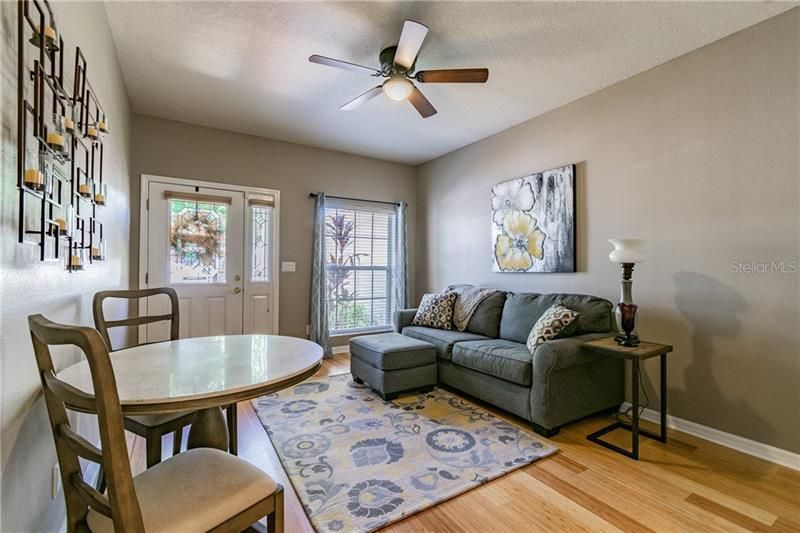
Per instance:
x=203, y=374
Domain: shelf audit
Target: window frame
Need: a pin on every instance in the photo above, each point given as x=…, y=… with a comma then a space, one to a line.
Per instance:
x=391, y=236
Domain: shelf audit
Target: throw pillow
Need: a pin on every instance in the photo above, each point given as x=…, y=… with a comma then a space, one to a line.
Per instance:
x=436, y=311
x=550, y=324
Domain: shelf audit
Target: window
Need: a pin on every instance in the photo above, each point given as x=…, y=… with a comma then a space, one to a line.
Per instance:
x=261, y=224
x=197, y=241
x=359, y=247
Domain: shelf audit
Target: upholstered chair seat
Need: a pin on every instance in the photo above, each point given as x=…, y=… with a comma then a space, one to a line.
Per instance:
x=194, y=491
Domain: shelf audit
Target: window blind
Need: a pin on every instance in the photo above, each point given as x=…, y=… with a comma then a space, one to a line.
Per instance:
x=359, y=245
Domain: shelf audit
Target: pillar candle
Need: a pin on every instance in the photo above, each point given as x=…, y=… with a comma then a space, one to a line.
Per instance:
x=55, y=140
x=34, y=179
x=62, y=226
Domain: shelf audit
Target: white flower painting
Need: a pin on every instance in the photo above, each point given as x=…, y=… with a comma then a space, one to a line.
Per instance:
x=533, y=222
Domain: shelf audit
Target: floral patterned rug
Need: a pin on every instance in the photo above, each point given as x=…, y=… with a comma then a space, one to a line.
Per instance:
x=359, y=463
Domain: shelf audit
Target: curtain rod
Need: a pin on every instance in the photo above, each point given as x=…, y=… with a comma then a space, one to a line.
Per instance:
x=314, y=195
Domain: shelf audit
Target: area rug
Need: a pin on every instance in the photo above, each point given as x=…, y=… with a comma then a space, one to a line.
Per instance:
x=359, y=463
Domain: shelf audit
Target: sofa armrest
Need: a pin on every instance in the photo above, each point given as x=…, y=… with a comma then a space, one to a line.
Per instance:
x=558, y=354
x=570, y=382
x=402, y=318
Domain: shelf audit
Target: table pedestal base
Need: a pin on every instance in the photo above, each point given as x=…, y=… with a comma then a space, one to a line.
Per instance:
x=209, y=430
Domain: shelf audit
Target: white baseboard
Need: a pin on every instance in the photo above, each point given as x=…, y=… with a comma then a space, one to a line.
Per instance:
x=741, y=444
x=341, y=349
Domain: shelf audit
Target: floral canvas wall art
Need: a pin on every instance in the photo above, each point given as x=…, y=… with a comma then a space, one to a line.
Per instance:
x=533, y=222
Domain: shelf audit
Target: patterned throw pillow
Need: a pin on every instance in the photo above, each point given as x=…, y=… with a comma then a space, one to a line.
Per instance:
x=436, y=311
x=550, y=324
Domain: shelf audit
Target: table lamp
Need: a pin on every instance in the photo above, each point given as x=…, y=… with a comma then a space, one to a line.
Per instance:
x=626, y=252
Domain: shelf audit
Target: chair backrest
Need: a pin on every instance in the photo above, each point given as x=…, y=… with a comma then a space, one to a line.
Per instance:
x=121, y=505
x=104, y=325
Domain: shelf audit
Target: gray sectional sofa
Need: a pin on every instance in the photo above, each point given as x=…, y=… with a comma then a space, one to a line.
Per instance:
x=557, y=384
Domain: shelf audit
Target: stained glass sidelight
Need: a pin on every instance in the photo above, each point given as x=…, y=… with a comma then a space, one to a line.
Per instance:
x=197, y=241
x=261, y=221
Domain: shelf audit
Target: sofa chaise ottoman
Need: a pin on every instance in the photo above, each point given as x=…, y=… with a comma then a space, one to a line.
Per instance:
x=393, y=364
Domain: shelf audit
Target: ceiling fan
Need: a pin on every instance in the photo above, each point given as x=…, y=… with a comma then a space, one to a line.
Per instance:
x=397, y=66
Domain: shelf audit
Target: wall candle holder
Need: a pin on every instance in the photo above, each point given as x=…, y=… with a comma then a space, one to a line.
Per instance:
x=99, y=251
x=60, y=149
x=100, y=194
x=34, y=179
x=85, y=189
x=76, y=260
x=50, y=38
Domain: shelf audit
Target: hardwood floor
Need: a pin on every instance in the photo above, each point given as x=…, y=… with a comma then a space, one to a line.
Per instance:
x=688, y=484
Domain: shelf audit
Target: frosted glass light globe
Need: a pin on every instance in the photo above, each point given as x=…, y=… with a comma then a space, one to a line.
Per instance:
x=626, y=250
x=397, y=88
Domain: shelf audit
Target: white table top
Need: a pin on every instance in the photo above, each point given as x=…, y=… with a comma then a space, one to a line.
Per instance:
x=201, y=368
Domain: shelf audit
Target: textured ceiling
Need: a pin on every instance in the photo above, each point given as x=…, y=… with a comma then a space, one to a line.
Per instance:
x=244, y=66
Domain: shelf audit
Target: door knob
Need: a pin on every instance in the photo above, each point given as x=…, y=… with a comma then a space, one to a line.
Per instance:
x=237, y=290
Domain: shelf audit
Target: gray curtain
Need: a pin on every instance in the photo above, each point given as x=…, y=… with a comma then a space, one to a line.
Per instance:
x=400, y=267
x=319, y=301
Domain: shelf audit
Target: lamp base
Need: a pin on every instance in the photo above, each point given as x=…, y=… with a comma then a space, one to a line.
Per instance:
x=629, y=341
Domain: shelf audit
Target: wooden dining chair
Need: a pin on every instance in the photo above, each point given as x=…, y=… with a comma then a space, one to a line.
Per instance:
x=153, y=427
x=199, y=490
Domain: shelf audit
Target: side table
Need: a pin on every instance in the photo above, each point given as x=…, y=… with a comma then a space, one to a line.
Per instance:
x=645, y=350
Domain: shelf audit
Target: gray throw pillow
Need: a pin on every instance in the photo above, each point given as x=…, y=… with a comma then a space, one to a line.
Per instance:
x=436, y=311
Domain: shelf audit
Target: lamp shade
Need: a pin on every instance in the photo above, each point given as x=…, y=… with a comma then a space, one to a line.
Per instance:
x=626, y=250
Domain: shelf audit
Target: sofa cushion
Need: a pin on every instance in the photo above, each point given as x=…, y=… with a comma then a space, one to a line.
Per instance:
x=486, y=318
x=392, y=351
x=442, y=339
x=522, y=310
x=507, y=360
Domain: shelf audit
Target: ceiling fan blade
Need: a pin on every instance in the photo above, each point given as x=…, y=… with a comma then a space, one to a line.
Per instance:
x=356, y=102
x=346, y=65
x=421, y=104
x=453, y=75
x=410, y=41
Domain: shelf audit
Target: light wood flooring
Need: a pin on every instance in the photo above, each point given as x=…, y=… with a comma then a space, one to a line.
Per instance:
x=688, y=484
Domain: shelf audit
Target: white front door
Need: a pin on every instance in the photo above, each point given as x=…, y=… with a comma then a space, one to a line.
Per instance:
x=214, y=246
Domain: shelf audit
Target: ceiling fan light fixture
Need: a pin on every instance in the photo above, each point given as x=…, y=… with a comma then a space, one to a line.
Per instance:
x=397, y=88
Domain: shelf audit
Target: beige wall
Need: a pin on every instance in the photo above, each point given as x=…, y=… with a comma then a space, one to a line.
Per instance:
x=169, y=148
x=700, y=157
x=30, y=286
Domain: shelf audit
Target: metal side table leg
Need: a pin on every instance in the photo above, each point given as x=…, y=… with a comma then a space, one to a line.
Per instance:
x=663, y=433
x=635, y=410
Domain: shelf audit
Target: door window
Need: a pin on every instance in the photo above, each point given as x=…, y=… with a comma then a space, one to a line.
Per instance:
x=197, y=241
